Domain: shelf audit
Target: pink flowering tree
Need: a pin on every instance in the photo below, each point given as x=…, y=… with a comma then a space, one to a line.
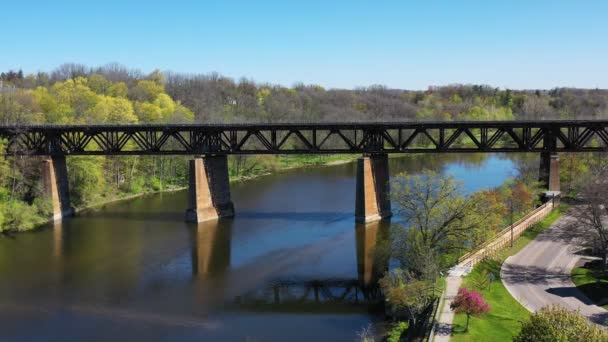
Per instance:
x=470, y=303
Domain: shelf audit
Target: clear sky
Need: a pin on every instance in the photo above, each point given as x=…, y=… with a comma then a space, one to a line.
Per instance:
x=337, y=44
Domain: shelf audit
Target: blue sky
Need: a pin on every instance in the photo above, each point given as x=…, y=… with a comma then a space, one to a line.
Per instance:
x=337, y=44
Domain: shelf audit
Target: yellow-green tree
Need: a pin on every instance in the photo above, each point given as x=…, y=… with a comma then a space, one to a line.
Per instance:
x=146, y=90
x=148, y=112
x=112, y=110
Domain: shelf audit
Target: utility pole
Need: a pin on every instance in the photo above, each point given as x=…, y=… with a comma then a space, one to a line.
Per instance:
x=511, y=215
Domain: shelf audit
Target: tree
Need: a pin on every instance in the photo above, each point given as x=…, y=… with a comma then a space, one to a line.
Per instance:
x=119, y=89
x=86, y=179
x=557, y=324
x=148, y=112
x=19, y=107
x=99, y=84
x=470, y=303
x=490, y=210
x=437, y=219
x=4, y=193
x=409, y=296
x=112, y=110
x=595, y=212
x=146, y=90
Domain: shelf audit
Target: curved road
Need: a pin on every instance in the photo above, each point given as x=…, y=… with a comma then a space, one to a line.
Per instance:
x=539, y=275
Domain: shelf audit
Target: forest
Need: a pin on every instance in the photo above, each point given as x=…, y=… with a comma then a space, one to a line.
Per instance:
x=77, y=94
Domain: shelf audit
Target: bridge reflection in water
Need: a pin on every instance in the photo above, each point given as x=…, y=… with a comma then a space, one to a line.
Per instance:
x=211, y=261
x=211, y=248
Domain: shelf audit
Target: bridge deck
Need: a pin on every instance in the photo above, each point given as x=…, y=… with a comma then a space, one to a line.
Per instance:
x=309, y=138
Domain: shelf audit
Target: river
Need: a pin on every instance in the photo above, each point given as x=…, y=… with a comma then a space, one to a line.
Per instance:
x=291, y=266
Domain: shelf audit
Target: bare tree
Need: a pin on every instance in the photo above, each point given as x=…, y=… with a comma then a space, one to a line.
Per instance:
x=595, y=212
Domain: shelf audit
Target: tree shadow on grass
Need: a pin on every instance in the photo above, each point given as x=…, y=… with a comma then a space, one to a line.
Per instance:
x=459, y=329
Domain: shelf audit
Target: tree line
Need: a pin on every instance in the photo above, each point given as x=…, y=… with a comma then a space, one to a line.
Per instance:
x=215, y=98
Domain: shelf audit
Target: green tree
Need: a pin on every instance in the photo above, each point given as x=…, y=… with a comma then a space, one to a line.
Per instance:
x=437, y=219
x=86, y=179
x=19, y=107
x=409, y=297
x=54, y=111
x=119, y=89
x=21, y=216
x=99, y=84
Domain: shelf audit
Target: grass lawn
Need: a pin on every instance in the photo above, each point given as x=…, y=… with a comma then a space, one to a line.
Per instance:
x=502, y=323
x=593, y=282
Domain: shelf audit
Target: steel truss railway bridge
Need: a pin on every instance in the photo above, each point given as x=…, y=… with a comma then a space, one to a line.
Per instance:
x=211, y=143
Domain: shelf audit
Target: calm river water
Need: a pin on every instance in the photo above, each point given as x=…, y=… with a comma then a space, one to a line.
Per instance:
x=291, y=266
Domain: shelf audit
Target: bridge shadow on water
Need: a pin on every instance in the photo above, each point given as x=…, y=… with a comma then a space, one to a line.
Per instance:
x=261, y=285
x=269, y=283
x=296, y=216
x=326, y=217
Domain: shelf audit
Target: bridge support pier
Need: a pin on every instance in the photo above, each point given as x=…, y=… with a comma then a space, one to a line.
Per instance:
x=549, y=171
x=55, y=186
x=372, y=200
x=209, y=189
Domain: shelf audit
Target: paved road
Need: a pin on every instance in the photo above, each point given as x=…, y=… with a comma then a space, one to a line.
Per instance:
x=539, y=274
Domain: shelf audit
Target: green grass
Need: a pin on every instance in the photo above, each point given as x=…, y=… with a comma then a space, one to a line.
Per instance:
x=503, y=322
x=593, y=282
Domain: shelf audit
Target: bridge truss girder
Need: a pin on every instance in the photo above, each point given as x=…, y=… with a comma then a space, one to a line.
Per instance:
x=370, y=138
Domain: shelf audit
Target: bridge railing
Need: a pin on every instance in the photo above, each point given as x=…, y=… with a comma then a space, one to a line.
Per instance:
x=503, y=238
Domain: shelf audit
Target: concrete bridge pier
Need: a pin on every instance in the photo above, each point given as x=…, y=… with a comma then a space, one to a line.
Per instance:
x=209, y=189
x=372, y=200
x=549, y=171
x=55, y=186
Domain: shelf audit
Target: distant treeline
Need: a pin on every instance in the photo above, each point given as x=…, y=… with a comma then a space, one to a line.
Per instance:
x=215, y=98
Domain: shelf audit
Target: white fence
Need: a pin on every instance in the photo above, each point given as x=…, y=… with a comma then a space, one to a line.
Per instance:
x=503, y=238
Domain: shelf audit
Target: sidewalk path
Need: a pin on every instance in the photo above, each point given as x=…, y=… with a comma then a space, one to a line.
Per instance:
x=444, y=326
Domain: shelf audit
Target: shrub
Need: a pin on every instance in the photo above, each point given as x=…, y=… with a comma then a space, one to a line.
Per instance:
x=398, y=330
x=21, y=216
x=557, y=324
